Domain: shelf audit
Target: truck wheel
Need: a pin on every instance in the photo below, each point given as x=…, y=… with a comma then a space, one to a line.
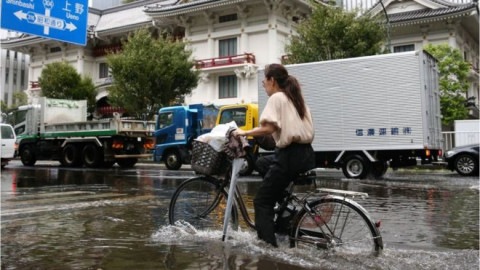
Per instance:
x=70, y=156
x=127, y=162
x=27, y=156
x=355, y=166
x=248, y=166
x=92, y=156
x=466, y=165
x=378, y=169
x=173, y=160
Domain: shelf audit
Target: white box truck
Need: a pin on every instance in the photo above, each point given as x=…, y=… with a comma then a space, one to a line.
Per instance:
x=371, y=112
x=57, y=129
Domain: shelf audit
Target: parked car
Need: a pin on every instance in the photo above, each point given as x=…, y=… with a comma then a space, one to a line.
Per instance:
x=8, y=140
x=463, y=159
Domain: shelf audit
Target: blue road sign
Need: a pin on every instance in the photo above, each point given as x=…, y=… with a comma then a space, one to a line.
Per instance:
x=64, y=20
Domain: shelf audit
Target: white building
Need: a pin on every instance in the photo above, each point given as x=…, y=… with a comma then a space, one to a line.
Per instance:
x=416, y=23
x=231, y=39
x=13, y=70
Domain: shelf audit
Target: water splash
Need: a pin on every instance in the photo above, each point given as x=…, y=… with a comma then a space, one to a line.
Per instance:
x=247, y=243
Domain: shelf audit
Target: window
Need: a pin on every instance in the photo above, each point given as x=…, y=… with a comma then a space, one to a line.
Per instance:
x=404, y=48
x=103, y=70
x=238, y=115
x=227, y=86
x=227, y=18
x=165, y=119
x=227, y=47
x=7, y=72
x=14, y=77
x=7, y=132
x=55, y=49
x=22, y=77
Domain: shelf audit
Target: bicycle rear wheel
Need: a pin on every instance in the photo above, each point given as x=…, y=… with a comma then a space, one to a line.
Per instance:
x=201, y=202
x=336, y=223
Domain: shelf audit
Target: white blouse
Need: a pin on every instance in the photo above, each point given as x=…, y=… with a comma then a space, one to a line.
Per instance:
x=281, y=112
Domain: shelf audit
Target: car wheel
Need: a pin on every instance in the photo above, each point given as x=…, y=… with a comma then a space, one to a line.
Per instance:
x=92, y=156
x=27, y=156
x=466, y=165
x=173, y=160
x=70, y=156
x=355, y=166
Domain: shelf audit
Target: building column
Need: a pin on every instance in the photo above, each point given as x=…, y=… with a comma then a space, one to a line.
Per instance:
x=210, y=19
x=424, y=29
x=81, y=62
x=452, y=30
x=243, y=13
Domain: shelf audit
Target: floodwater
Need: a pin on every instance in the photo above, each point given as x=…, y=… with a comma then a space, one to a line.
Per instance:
x=59, y=218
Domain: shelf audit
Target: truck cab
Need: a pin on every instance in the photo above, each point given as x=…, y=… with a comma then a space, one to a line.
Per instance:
x=246, y=118
x=176, y=127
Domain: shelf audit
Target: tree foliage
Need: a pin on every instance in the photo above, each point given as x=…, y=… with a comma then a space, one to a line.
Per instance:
x=18, y=99
x=332, y=33
x=61, y=80
x=453, y=82
x=150, y=73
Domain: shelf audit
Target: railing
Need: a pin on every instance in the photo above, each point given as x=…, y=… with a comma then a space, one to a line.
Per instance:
x=110, y=110
x=225, y=61
x=34, y=84
x=453, y=139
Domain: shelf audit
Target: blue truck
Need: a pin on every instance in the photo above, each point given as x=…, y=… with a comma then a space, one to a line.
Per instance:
x=176, y=128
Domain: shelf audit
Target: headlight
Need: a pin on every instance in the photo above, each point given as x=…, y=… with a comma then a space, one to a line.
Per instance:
x=450, y=153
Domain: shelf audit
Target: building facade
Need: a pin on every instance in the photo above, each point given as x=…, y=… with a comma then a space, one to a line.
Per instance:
x=414, y=24
x=14, y=68
x=232, y=39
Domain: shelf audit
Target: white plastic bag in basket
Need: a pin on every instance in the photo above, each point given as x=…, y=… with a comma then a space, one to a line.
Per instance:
x=217, y=137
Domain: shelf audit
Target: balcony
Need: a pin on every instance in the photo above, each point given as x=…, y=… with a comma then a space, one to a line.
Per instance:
x=110, y=110
x=34, y=84
x=247, y=58
x=101, y=51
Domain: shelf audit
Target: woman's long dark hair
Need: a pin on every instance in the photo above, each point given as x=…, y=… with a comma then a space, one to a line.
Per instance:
x=288, y=85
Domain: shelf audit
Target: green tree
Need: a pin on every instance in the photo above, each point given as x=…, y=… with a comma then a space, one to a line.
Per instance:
x=332, y=33
x=453, y=82
x=18, y=99
x=150, y=73
x=61, y=80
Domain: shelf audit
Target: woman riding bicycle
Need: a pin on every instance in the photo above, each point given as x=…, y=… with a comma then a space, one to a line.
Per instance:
x=288, y=119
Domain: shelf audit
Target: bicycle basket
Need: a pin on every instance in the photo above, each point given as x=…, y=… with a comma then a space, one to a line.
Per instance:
x=205, y=160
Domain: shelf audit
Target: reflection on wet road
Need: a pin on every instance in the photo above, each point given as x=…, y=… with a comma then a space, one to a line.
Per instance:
x=59, y=218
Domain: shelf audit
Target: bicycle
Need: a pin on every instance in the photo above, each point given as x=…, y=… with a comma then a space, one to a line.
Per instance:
x=329, y=221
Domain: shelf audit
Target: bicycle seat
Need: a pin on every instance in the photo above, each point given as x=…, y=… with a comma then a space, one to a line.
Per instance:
x=305, y=178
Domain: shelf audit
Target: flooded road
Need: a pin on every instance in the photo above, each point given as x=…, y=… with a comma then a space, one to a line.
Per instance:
x=62, y=218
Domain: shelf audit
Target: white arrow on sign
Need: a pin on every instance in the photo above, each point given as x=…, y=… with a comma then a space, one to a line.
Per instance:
x=40, y=19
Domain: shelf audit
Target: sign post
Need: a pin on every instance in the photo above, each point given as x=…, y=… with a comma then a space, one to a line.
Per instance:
x=64, y=20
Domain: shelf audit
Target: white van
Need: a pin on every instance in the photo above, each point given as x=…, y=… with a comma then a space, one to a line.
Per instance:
x=7, y=139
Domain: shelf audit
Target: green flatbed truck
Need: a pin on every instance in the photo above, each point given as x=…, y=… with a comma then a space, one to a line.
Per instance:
x=57, y=129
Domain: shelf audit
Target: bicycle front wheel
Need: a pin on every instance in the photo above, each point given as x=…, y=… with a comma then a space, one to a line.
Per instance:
x=336, y=223
x=201, y=202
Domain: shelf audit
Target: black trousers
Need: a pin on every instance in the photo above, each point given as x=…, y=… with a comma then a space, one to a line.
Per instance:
x=278, y=170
